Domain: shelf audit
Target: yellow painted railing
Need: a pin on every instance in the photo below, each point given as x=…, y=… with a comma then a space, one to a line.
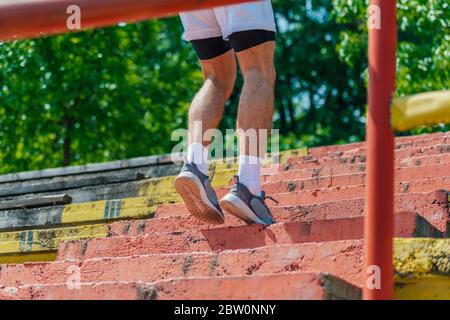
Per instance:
x=423, y=109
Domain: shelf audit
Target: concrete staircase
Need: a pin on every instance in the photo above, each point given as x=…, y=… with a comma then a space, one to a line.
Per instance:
x=123, y=233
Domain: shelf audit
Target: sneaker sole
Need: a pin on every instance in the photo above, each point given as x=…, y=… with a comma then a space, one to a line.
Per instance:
x=234, y=205
x=194, y=196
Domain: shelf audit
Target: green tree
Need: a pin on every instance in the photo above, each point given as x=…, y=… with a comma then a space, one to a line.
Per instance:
x=423, y=54
x=95, y=95
x=318, y=97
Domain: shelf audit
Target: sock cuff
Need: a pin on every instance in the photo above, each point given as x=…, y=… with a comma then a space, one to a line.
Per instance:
x=252, y=160
x=198, y=154
x=197, y=151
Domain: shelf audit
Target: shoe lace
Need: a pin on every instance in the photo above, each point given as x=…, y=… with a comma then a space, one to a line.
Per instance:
x=213, y=173
x=263, y=195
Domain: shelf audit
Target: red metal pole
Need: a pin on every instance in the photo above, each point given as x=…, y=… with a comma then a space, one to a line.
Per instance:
x=379, y=220
x=30, y=18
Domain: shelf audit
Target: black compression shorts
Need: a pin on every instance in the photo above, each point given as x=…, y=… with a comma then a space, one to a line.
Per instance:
x=238, y=41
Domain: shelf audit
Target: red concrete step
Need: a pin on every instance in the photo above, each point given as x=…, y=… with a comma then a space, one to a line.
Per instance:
x=433, y=206
x=414, y=142
x=423, y=136
x=116, y=290
x=440, y=159
x=175, y=217
x=284, y=286
x=432, y=155
x=188, y=222
x=320, y=195
x=344, y=259
x=357, y=157
x=347, y=180
x=439, y=146
x=351, y=153
x=425, y=160
x=422, y=140
x=405, y=173
x=175, y=223
x=400, y=143
x=229, y=238
x=426, y=185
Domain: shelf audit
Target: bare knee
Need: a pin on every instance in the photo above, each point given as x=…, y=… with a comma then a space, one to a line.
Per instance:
x=223, y=84
x=262, y=75
x=220, y=72
x=211, y=98
x=257, y=64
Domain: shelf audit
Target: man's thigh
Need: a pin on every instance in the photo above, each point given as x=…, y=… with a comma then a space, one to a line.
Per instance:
x=259, y=57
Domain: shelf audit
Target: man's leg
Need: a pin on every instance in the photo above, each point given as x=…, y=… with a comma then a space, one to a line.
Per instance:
x=250, y=29
x=219, y=72
x=255, y=53
x=255, y=112
x=206, y=109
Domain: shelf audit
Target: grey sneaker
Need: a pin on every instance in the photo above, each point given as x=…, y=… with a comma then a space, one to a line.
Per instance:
x=241, y=203
x=198, y=195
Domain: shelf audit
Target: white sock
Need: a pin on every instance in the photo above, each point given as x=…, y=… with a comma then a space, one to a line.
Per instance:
x=198, y=154
x=250, y=173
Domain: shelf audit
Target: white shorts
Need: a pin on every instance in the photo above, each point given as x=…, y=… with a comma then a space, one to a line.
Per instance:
x=223, y=21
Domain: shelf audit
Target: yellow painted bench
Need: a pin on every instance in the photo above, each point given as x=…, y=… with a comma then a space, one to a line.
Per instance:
x=41, y=244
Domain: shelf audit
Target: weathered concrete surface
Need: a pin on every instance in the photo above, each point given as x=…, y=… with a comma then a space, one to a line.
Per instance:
x=321, y=201
x=39, y=240
x=433, y=206
x=342, y=259
x=116, y=290
x=312, y=190
x=417, y=141
x=286, y=286
x=34, y=202
x=427, y=184
x=433, y=154
x=88, y=168
x=105, y=185
x=404, y=173
x=230, y=238
x=80, y=213
x=122, y=182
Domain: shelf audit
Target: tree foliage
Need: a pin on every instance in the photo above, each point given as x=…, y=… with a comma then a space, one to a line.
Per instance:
x=119, y=92
x=423, y=49
x=92, y=96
